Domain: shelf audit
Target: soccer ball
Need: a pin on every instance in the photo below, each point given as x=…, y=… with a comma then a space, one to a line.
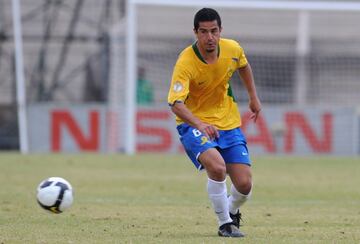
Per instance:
x=55, y=194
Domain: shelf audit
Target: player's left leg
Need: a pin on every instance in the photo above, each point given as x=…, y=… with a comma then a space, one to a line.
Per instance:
x=240, y=191
x=241, y=178
x=238, y=168
x=233, y=149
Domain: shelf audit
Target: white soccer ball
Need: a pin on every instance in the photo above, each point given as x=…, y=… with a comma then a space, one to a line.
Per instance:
x=55, y=194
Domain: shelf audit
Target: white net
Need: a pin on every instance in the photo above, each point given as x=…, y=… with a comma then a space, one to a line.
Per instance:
x=300, y=59
x=269, y=38
x=80, y=84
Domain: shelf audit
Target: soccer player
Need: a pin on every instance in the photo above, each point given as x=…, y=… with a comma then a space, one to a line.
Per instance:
x=208, y=119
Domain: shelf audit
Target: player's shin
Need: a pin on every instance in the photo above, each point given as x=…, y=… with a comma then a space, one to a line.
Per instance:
x=237, y=199
x=218, y=196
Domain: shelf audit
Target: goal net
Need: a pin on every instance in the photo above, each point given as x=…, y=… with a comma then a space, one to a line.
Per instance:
x=305, y=58
x=98, y=83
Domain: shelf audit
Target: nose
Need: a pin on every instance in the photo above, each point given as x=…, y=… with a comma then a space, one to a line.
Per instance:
x=210, y=36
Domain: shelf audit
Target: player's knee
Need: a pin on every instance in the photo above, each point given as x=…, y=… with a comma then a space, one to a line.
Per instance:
x=216, y=171
x=244, y=185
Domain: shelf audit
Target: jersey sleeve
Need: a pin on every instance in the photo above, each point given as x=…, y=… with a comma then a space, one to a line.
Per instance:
x=179, y=87
x=242, y=61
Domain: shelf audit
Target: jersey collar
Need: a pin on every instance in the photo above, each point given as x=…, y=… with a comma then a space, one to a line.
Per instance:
x=198, y=54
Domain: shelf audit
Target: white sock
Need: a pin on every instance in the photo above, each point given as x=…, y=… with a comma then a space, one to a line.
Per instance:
x=237, y=199
x=218, y=196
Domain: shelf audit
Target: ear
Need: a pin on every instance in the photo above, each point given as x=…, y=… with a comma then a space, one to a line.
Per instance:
x=195, y=31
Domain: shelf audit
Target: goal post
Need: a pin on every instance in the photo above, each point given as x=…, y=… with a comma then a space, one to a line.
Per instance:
x=20, y=78
x=280, y=38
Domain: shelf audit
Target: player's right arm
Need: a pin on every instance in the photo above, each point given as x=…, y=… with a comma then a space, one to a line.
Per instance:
x=178, y=92
x=185, y=114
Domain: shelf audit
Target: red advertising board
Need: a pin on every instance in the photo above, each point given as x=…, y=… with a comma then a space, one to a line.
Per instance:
x=293, y=126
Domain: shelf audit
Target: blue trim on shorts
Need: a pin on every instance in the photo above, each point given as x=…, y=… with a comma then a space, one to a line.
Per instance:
x=231, y=144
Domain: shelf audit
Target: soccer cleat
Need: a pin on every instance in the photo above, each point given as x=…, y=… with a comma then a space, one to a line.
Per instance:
x=229, y=230
x=236, y=218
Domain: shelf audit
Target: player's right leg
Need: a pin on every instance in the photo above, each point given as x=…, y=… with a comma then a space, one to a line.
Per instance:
x=214, y=164
x=215, y=167
x=203, y=154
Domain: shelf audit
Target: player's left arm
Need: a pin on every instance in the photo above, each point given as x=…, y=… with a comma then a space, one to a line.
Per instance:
x=248, y=79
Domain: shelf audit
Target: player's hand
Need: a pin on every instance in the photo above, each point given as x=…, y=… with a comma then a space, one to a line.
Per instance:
x=255, y=108
x=209, y=131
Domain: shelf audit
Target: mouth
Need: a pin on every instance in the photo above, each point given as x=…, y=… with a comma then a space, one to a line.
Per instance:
x=210, y=47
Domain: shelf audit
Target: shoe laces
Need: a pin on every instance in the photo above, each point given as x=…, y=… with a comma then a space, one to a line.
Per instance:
x=237, y=219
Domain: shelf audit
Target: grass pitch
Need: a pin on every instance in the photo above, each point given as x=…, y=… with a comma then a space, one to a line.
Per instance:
x=162, y=199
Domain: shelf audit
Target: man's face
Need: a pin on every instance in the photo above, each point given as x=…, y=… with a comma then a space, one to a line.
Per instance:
x=208, y=35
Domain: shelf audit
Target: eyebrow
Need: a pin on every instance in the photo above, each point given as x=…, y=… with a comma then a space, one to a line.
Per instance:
x=211, y=29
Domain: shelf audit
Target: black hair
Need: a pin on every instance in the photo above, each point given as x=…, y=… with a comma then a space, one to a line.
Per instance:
x=206, y=14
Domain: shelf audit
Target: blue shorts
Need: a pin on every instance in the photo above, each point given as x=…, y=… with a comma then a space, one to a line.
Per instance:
x=231, y=144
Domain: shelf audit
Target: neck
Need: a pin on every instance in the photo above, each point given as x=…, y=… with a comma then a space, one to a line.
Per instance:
x=209, y=57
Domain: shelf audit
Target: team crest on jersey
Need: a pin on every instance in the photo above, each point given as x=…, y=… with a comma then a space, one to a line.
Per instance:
x=230, y=72
x=178, y=87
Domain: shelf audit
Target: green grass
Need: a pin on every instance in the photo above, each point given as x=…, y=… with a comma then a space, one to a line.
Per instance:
x=162, y=199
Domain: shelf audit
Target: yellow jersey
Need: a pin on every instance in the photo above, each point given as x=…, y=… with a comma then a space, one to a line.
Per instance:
x=205, y=88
